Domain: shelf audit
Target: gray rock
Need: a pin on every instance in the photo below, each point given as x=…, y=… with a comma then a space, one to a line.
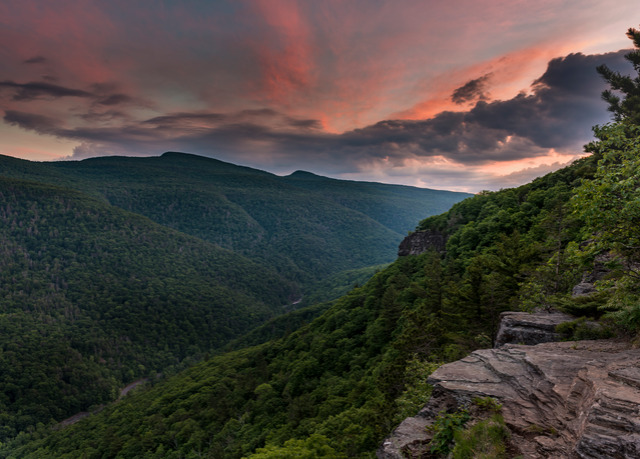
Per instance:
x=526, y=328
x=587, y=284
x=420, y=242
x=559, y=400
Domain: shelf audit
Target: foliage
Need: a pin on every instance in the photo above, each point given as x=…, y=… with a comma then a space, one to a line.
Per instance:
x=306, y=229
x=417, y=392
x=339, y=284
x=609, y=205
x=487, y=404
x=92, y=297
x=315, y=446
x=485, y=439
x=628, y=108
x=349, y=371
x=465, y=435
x=581, y=329
x=444, y=429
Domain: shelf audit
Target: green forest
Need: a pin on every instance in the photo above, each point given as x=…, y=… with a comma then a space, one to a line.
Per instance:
x=304, y=226
x=329, y=380
x=107, y=274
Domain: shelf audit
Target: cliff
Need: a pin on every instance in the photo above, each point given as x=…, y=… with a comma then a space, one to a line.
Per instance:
x=525, y=328
x=420, y=242
x=559, y=399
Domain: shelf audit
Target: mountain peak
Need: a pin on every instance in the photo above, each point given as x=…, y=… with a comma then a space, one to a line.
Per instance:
x=305, y=175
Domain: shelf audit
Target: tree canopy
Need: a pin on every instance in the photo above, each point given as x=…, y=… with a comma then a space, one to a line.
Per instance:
x=627, y=107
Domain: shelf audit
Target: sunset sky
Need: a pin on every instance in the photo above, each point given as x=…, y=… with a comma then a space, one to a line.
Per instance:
x=460, y=94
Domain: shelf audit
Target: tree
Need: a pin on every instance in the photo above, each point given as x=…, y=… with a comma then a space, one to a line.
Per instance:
x=628, y=107
x=609, y=206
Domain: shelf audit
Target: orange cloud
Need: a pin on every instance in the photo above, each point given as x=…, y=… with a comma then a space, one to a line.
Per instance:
x=509, y=75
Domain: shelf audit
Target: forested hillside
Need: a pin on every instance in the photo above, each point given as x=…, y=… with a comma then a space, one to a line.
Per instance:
x=340, y=383
x=307, y=229
x=93, y=297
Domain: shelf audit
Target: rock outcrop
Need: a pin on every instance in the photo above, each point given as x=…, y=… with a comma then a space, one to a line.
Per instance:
x=587, y=284
x=420, y=242
x=525, y=328
x=559, y=400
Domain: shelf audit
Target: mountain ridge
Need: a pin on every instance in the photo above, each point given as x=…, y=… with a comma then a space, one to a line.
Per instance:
x=307, y=233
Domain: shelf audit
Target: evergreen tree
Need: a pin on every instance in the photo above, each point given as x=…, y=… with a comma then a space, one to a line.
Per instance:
x=628, y=107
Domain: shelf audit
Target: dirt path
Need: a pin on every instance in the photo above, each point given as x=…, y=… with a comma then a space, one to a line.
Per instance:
x=125, y=390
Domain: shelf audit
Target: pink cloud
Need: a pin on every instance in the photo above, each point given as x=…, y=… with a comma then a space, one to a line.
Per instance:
x=329, y=76
x=285, y=53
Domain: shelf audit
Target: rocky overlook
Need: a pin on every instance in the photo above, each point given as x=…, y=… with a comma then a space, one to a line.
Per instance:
x=420, y=242
x=525, y=328
x=559, y=399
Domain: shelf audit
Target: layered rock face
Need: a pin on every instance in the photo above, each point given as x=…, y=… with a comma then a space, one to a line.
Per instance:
x=420, y=242
x=560, y=400
x=525, y=328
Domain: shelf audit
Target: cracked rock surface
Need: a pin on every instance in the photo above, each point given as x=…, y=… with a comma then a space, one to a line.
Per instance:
x=559, y=400
x=525, y=328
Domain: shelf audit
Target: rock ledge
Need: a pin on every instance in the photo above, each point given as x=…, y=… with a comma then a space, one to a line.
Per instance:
x=560, y=400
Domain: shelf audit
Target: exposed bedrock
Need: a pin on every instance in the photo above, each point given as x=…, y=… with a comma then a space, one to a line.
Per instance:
x=525, y=328
x=560, y=400
x=421, y=242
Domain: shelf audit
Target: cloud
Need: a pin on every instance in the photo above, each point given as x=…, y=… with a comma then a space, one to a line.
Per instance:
x=32, y=122
x=472, y=90
x=36, y=60
x=37, y=90
x=555, y=113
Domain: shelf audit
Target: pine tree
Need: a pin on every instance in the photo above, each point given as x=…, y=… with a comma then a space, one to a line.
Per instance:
x=626, y=108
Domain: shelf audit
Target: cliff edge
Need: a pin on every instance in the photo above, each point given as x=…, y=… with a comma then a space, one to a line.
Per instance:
x=422, y=241
x=559, y=399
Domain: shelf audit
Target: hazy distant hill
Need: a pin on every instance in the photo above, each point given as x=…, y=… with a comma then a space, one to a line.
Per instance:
x=305, y=226
x=394, y=206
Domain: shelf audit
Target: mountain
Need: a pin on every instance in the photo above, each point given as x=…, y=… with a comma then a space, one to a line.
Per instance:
x=339, y=383
x=395, y=206
x=114, y=269
x=93, y=296
x=307, y=229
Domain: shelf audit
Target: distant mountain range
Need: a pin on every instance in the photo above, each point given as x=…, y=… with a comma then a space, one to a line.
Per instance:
x=113, y=269
x=305, y=226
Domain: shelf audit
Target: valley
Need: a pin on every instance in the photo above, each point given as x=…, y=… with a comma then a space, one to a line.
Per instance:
x=181, y=307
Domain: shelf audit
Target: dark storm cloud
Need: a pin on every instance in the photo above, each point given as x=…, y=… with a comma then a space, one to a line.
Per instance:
x=37, y=90
x=472, y=90
x=32, y=122
x=564, y=104
x=103, y=95
x=557, y=112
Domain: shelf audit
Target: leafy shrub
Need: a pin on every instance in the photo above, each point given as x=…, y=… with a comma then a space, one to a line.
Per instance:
x=444, y=429
x=583, y=329
x=485, y=439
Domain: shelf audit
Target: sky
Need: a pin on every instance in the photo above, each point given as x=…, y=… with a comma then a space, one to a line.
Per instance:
x=464, y=95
